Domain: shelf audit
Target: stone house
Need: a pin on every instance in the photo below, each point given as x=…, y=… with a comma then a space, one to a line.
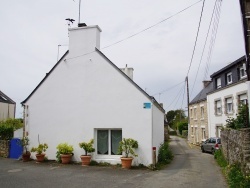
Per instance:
x=86, y=96
x=198, y=117
x=7, y=107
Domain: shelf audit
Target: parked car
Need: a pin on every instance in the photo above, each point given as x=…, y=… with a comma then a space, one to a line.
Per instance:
x=211, y=145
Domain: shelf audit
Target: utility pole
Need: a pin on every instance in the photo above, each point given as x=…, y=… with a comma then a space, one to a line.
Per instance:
x=245, y=16
x=189, y=128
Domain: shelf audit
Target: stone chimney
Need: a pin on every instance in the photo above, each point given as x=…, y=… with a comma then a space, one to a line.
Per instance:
x=83, y=39
x=206, y=83
x=128, y=71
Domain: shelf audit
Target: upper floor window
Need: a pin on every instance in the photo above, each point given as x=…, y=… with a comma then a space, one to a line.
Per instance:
x=202, y=112
x=229, y=79
x=243, y=73
x=218, y=83
x=195, y=113
x=218, y=107
x=229, y=105
x=191, y=113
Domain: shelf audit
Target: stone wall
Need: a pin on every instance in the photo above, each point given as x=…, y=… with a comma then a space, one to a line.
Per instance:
x=236, y=147
x=4, y=148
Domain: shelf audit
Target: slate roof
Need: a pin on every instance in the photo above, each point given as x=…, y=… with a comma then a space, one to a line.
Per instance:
x=5, y=99
x=228, y=66
x=202, y=95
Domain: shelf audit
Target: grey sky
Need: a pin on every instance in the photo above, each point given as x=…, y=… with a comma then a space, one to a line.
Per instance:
x=32, y=30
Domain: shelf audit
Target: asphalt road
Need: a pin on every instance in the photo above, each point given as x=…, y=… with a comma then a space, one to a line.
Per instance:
x=190, y=168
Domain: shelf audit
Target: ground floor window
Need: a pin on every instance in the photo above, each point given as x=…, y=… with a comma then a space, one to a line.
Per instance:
x=108, y=141
x=203, y=133
x=218, y=129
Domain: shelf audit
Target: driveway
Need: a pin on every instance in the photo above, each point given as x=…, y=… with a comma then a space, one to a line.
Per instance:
x=190, y=168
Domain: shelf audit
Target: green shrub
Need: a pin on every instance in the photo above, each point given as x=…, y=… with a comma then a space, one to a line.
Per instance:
x=219, y=156
x=185, y=133
x=241, y=119
x=236, y=179
x=182, y=126
x=6, y=133
x=165, y=155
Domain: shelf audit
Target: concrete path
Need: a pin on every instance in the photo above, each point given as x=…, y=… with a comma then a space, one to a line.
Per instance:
x=190, y=168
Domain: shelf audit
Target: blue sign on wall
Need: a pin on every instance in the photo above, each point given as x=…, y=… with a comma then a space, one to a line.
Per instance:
x=147, y=105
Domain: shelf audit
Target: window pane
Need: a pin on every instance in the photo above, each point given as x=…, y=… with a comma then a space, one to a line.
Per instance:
x=102, y=141
x=116, y=137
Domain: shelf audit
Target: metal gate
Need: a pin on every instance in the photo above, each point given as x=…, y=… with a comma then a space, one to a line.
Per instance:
x=16, y=149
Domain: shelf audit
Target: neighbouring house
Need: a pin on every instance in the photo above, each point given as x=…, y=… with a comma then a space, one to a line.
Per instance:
x=86, y=96
x=230, y=90
x=7, y=107
x=198, y=117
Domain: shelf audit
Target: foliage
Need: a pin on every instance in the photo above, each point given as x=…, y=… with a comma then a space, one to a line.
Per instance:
x=6, y=133
x=41, y=148
x=241, y=119
x=185, y=133
x=165, y=155
x=175, y=116
x=182, y=126
x=65, y=148
x=218, y=155
x=235, y=177
x=87, y=146
x=127, y=145
x=24, y=142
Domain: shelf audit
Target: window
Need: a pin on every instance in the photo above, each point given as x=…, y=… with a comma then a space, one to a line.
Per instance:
x=108, y=141
x=229, y=78
x=229, y=105
x=242, y=99
x=218, y=83
x=218, y=129
x=202, y=112
x=203, y=133
x=195, y=114
x=191, y=113
x=218, y=107
x=243, y=73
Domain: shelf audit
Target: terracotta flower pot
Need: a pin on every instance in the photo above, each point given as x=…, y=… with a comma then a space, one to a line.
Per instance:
x=126, y=162
x=85, y=160
x=40, y=157
x=66, y=158
x=26, y=156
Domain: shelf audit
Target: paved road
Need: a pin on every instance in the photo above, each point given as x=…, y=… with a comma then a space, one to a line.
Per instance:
x=190, y=168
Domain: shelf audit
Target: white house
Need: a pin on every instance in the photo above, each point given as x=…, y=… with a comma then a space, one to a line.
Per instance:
x=86, y=96
x=230, y=89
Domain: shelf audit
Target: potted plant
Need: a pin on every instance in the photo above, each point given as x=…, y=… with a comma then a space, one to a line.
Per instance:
x=127, y=146
x=66, y=151
x=88, y=147
x=24, y=142
x=39, y=151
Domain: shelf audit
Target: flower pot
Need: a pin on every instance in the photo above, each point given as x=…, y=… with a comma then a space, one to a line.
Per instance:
x=40, y=157
x=66, y=158
x=85, y=160
x=126, y=162
x=26, y=156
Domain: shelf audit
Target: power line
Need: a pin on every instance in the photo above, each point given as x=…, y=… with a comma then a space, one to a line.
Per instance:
x=163, y=91
x=204, y=47
x=140, y=31
x=196, y=38
x=151, y=26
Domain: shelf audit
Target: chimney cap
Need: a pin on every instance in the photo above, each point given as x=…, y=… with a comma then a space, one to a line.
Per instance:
x=82, y=24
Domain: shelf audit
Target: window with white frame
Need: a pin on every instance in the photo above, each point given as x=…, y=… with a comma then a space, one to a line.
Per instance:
x=218, y=83
x=243, y=73
x=108, y=141
x=218, y=107
x=229, y=78
x=202, y=112
x=191, y=113
x=218, y=129
x=242, y=98
x=229, y=105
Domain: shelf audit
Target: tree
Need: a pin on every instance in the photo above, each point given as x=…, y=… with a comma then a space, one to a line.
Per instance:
x=175, y=116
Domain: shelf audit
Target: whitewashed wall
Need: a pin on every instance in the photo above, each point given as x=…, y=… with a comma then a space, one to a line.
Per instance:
x=84, y=94
x=214, y=120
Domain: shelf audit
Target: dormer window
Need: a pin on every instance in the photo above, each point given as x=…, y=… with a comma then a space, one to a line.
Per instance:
x=243, y=73
x=218, y=83
x=229, y=78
